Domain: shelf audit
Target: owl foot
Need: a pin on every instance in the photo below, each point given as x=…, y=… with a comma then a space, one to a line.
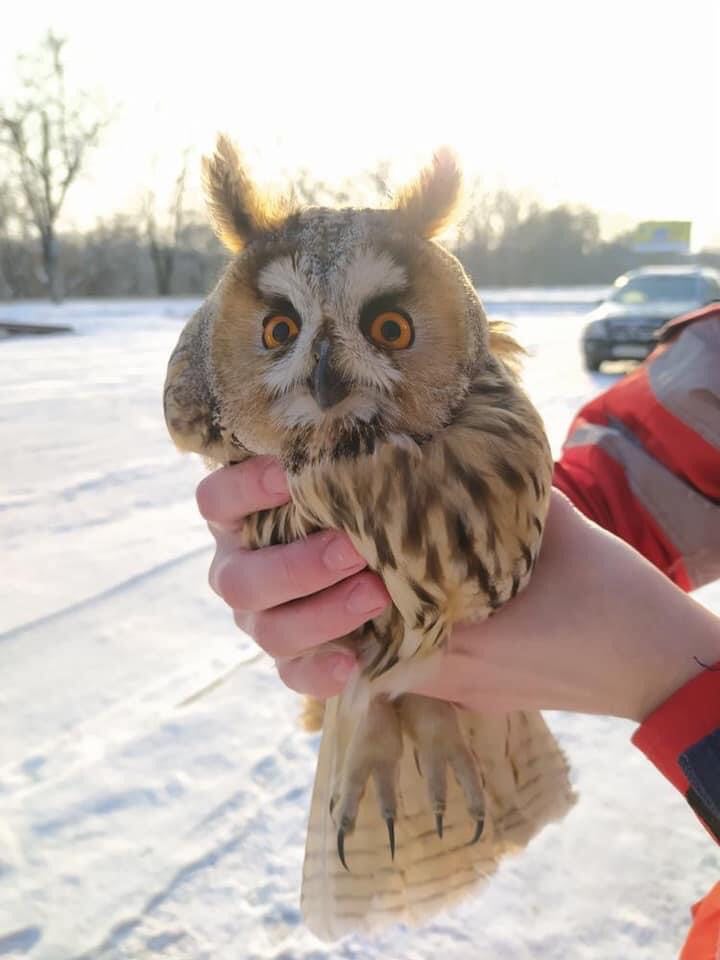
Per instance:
x=374, y=750
x=439, y=744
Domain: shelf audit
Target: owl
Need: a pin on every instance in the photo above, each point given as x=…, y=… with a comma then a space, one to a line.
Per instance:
x=351, y=345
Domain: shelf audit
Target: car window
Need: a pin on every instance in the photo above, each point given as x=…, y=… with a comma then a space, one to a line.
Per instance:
x=657, y=287
x=712, y=289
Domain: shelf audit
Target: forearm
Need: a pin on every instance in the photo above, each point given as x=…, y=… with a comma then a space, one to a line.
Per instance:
x=597, y=630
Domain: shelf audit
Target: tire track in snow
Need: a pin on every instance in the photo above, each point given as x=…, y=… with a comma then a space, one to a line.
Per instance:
x=264, y=815
x=61, y=756
x=19, y=941
x=87, y=603
x=106, y=705
x=96, y=482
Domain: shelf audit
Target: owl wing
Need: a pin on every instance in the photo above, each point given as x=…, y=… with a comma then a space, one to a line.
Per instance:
x=526, y=786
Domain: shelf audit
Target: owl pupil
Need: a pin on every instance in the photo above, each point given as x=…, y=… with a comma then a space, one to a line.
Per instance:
x=281, y=331
x=390, y=330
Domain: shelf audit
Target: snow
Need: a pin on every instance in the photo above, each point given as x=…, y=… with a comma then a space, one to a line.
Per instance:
x=135, y=824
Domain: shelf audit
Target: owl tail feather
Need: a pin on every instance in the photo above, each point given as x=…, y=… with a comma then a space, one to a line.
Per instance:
x=525, y=777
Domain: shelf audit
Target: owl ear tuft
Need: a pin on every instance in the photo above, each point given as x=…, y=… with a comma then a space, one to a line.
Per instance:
x=427, y=205
x=238, y=211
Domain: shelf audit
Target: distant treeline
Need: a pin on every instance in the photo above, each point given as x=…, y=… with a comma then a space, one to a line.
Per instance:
x=506, y=244
x=499, y=244
x=48, y=135
x=115, y=259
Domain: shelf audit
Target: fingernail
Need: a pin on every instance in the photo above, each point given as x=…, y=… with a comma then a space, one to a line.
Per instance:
x=366, y=598
x=274, y=481
x=340, y=554
x=216, y=568
x=340, y=667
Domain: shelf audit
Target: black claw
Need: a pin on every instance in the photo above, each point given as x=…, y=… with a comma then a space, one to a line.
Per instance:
x=391, y=835
x=341, y=848
x=417, y=763
x=478, y=831
x=332, y=805
x=439, y=824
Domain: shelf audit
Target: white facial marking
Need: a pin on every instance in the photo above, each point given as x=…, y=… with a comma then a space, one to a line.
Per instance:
x=280, y=278
x=370, y=274
x=303, y=410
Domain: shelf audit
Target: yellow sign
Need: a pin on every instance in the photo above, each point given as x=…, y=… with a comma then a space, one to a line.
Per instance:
x=662, y=236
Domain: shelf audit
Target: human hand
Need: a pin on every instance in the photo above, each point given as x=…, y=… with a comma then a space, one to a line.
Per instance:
x=598, y=629
x=294, y=598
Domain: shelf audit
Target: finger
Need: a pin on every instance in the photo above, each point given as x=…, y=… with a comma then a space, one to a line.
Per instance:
x=299, y=627
x=231, y=493
x=322, y=675
x=261, y=579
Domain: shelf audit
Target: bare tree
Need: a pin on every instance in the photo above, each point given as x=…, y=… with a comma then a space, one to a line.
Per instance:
x=6, y=216
x=48, y=133
x=17, y=272
x=371, y=187
x=163, y=237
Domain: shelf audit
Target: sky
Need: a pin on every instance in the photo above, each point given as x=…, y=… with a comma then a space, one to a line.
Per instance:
x=615, y=105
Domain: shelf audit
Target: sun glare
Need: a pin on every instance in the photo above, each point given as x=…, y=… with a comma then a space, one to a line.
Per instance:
x=614, y=105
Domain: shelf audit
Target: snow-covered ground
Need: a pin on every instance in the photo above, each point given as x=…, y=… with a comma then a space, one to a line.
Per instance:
x=134, y=824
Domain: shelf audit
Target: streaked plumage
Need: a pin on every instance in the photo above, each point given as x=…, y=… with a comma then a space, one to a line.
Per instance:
x=353, y=347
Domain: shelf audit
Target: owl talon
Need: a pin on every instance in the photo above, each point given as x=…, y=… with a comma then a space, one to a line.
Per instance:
x=478, y=831
x=341, y=848
x=391, y=835
x=373, y=752
x=434, y=727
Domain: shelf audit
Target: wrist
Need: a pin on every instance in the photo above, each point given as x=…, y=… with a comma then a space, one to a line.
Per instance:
x=681, y=653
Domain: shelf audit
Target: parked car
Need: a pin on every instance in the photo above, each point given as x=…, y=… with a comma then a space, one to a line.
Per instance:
x=624, y=326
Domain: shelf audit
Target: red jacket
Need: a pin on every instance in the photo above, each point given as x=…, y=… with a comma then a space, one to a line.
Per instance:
x=643, y=460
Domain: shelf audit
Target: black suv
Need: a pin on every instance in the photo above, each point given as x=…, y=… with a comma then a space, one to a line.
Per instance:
x=623, y=327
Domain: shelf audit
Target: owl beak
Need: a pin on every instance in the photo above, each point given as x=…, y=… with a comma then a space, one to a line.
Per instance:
x=327, y=383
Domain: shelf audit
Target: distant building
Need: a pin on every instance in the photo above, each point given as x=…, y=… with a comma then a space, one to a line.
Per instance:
x=662, y=236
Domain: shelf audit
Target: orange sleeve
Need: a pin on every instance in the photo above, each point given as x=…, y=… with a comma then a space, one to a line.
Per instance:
x=642, y=459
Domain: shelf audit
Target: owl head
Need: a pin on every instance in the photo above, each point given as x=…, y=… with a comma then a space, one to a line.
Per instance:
x=329, y=328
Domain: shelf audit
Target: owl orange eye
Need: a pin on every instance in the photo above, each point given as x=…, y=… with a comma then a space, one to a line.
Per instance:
x=392, y=330
x=279, y=330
